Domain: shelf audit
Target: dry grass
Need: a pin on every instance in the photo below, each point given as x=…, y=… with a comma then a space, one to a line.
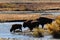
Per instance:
x=29, y=0
x=33, y=6
x=4, y=17
x=7, y=17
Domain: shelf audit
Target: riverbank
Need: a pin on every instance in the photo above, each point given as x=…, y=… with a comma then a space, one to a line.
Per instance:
x=11, y=17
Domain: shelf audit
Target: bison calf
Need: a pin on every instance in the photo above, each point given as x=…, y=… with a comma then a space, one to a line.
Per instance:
x=16, y=26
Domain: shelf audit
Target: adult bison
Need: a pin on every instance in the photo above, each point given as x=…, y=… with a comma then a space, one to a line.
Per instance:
x=16, y=26
x=43, y=20
x=31, y=24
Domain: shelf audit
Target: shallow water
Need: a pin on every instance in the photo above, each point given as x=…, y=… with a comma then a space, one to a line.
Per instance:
x=5, y=31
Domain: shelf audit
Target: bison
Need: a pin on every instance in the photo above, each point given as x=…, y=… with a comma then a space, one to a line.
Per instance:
x=16, y=26
x=43, y=20
x=30, y=24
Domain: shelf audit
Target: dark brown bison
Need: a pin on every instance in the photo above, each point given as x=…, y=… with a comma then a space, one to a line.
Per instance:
x=43, y=20
x=16, y=26
x=31, y=24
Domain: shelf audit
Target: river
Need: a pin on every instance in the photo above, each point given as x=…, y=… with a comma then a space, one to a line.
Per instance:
x=5, y=32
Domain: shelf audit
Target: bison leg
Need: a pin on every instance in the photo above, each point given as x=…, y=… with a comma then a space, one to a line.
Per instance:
x=42, y=26
x=20, y=29
x=31, y=29
x=12, y=30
